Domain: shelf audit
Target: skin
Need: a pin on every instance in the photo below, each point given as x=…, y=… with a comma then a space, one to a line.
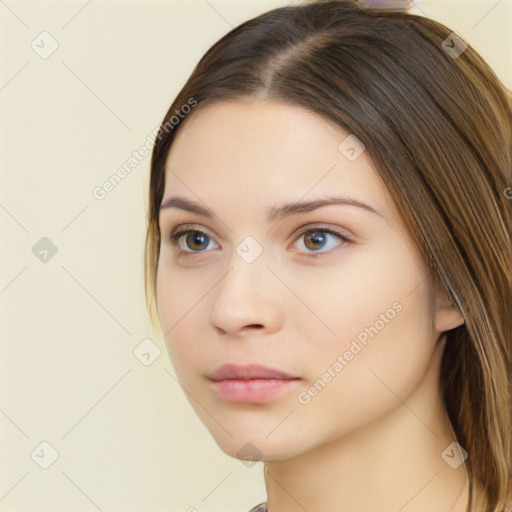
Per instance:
x=372, y=438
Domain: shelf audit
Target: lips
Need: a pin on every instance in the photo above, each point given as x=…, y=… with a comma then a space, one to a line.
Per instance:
x=253, y=383
x=248, y=372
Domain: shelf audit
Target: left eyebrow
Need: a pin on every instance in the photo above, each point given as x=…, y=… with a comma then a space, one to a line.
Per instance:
x=275, y=212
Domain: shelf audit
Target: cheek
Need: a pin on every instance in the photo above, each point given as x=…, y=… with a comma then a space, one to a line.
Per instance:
x=381, y=315
x=181, y=299
x=174, y=299
x=379, y=376
x=364, y=296
x=179, y=292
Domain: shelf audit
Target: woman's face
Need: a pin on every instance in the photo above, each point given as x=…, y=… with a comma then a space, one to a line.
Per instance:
x=354, y=325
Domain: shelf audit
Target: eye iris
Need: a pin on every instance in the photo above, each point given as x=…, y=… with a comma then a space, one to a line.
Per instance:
x=314, y=236
x=195, y=236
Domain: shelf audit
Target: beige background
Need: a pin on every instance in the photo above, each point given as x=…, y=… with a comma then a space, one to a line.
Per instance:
x=125, y=435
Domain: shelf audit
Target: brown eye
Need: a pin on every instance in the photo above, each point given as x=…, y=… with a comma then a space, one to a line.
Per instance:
x=315, y=239
x=194, y=240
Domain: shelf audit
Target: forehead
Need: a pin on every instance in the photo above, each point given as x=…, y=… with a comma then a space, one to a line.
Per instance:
x=261, y=153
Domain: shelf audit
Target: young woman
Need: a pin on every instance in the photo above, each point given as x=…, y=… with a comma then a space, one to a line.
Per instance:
x=328, y=254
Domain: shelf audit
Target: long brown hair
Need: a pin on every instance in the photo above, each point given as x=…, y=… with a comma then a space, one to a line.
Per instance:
x=438, y=127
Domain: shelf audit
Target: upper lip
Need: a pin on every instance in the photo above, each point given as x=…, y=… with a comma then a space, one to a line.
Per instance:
x=247, y=372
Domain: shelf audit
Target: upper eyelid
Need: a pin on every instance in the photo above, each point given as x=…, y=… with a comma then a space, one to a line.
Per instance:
x=180, y=228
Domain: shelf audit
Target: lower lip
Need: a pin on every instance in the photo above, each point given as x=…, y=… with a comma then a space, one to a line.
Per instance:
x=253, y=390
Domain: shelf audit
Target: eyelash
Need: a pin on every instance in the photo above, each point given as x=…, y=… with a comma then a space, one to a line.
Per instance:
x=177, y=233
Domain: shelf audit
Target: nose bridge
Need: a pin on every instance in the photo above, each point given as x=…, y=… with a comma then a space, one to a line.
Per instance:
x=247, y=265
x=246, y=295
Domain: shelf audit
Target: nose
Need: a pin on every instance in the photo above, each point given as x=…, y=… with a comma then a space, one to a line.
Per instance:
x=248, y=300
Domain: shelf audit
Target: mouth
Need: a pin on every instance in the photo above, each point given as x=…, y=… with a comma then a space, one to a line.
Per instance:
x=251, y=383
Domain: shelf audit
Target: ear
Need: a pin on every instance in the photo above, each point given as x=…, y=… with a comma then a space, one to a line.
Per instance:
x=446, y=314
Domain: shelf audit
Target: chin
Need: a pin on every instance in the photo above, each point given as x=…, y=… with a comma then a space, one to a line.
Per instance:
x=257, y=448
